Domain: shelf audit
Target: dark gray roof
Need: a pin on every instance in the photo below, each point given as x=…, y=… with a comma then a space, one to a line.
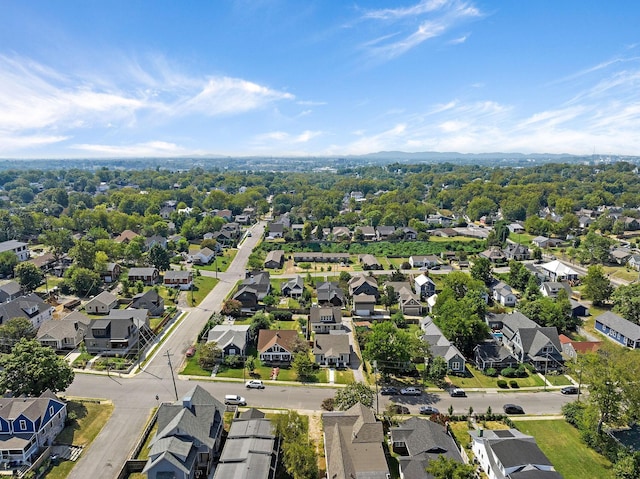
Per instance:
x=318, y=314
x=620, y=325
x=21, y=307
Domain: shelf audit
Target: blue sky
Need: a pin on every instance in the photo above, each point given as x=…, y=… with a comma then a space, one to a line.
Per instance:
x=119, y=78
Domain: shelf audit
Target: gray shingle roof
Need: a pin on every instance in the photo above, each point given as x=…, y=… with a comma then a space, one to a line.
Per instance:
x=619, y=324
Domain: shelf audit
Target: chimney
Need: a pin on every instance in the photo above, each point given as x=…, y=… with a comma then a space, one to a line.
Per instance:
x=186, y=402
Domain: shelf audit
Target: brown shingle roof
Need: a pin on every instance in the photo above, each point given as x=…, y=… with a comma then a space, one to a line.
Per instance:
x=282, y=337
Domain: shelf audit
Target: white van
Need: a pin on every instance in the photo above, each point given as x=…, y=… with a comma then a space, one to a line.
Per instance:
x=235, y=400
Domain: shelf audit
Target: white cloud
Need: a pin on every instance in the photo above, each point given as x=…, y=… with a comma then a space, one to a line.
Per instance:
x=425, y=6
x=284, y=137
x=151, y=148
x=459, y=40
x=12, y=144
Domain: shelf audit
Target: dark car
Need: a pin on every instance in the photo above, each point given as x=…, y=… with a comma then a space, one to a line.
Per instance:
x=428, y=410
x=389, y=391
x=569, y=390
x=398, y=409
x=457, y=393
x=513, y=409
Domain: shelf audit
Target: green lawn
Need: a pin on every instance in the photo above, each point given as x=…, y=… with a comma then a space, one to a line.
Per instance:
x=91, y=418
x=202, y=286
x=620, y=272
x=458, y=239
x=221, y=262
x=558, y=380
x=344, y=377
x=562, y=445
x=479, y=380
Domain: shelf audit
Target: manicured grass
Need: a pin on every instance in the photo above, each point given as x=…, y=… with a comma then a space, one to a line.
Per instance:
x=286, y=325
x=458, y=239
x=620, y=272
x=562, y=445
x=52, y=281
x=202, y=286
x=480, y=380
x=558, y=380
x=397, y=261
x=221, y=262
x=344, y=377
x=192, y=368
x=91, y=417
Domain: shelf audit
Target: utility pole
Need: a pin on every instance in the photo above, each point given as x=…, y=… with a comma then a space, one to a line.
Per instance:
x=175, y=389
x=375, y=371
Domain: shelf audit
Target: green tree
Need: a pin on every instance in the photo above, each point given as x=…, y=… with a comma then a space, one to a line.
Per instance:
x=60, y=241
x=391, y=347
x=209, y=354
x=299, y=455
x=231, y=307
x=437, y=369
x=8, y=261
x=303, y=366
x=100, y=262
x=352, y=394
x=83, y=281
x=597, y=286
x=159, y=257
x=482, y=270
x=15, y=328
x=627, y=466
x=83, y=253
x=259, y=321
x=31, y=369
x=448, y=468
x=29, y=276
x=626, y=302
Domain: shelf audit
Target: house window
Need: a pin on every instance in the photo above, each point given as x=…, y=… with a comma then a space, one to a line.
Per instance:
x=51, y=411
x=232, y=351
x=23, y=425
x=455, y=366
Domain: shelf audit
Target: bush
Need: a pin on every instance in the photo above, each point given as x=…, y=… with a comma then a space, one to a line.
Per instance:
x=513, y=384
x=573, y=412
x=282, y=315
x=502, y=384
x=328, y=404
x=232, y=361
x=509, y=373
x=491, y=372
x=522, y=372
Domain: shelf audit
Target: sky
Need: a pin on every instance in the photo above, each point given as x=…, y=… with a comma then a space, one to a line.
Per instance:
x=142, y=78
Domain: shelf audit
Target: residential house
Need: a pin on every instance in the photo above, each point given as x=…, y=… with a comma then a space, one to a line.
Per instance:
x=441, y=346
x=330, y=293
x=64, y=334
x=248, y=297
x=516, y=252
x=10, y=291
x=332, y=350
x=431, y=302
x=149, y=276
x=323, y=319
x=438, y=219
x=121, y=332
x=45, y=262
x=384, y=233
x=341, y=233
x=30, y=306
x=578, y=310
x=585, y=221
x=111, y=273
x=27, y=425
x=149, y=300
x=276, y=230
x=369, y=262
x=425, y=286
x=224, y=238
x=408, y=234
x=419, y=441
x=203, y=256
x=20, y=249
x=558, y=271
x=571, y=348
x=510, y=454
x=363, y=285
x=226, y=214
x=530, y=342
x=409, y=302
x=126, y=236
x=232, y=339
x=503, y=294
x=364, y=304
x=634, y=262
x=618, y=329
x=353, y=444
x=494, y=254
x=427, y=261
x=274, y=259
x=543, y=242
x=155, y=240
x=620, y=255
x=368, y=233
x=276, y=345
x=102, y=303
x=631, y=224
x=493, y=354
x=178, y=279
x=188, y=438
x=550, y=289
x=260, y=281
x=516, y=228
x=293, y=288
x=250, y=449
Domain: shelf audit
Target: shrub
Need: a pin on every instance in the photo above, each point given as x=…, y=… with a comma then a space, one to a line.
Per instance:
x=508, y=372
x=491, y=372
x=328, y=404
x=573, y=412
x=502, y=384
x=522, y=372
x=282, y=315
x=514, y=384
x=232, y=361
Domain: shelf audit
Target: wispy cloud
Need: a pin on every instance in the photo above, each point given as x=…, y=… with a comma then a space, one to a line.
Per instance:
x=284, y=137
x=435, y=17
x=151, y=148
x=459, y=40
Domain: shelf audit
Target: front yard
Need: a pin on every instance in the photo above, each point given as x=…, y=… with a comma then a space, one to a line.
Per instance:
x=476, y=379
x=221, y=263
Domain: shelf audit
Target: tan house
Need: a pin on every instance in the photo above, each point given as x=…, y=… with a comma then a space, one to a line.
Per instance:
x=276, y=345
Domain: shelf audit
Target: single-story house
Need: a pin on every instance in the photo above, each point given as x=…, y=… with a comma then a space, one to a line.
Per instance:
x=571, y=348
x=64, y=334
x=203, y=256
x=102, y=303
x=149, y=300
x=369, y=262
x=178, y=279
x=422, y=261
x=558, y=271
x=149, y=276
x=330, y=293
x=10, y=291
x=276, y=345
x=232, y=339
x=492, y=354
x=274, y=259
x=543, y=242
x=618, y=329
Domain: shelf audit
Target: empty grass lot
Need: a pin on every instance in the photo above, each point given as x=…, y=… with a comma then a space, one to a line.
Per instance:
x=203, y=286
x=562, y=445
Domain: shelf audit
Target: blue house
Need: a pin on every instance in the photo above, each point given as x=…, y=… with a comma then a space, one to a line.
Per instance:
x=619, y=329
x=27, y=425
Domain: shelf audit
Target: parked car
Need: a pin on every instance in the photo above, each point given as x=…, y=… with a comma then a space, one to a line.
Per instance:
x=457, y=393
x=428, y=410
x=410, y=391
x=513, y=409
x=389, y=391
x=191, y=352
x=398, y=409
x=254, y=384
x=235, y=400
x=569, y=390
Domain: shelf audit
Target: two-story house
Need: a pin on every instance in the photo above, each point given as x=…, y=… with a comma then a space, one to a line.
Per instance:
x=276, y=345
x=425, y=286
x=363, y=285
x=31, y=307
x=178, y=279
x=149, y=276
x=323, y=319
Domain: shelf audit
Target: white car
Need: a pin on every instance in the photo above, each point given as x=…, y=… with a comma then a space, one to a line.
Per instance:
x=254, y=384
x=410, y=391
